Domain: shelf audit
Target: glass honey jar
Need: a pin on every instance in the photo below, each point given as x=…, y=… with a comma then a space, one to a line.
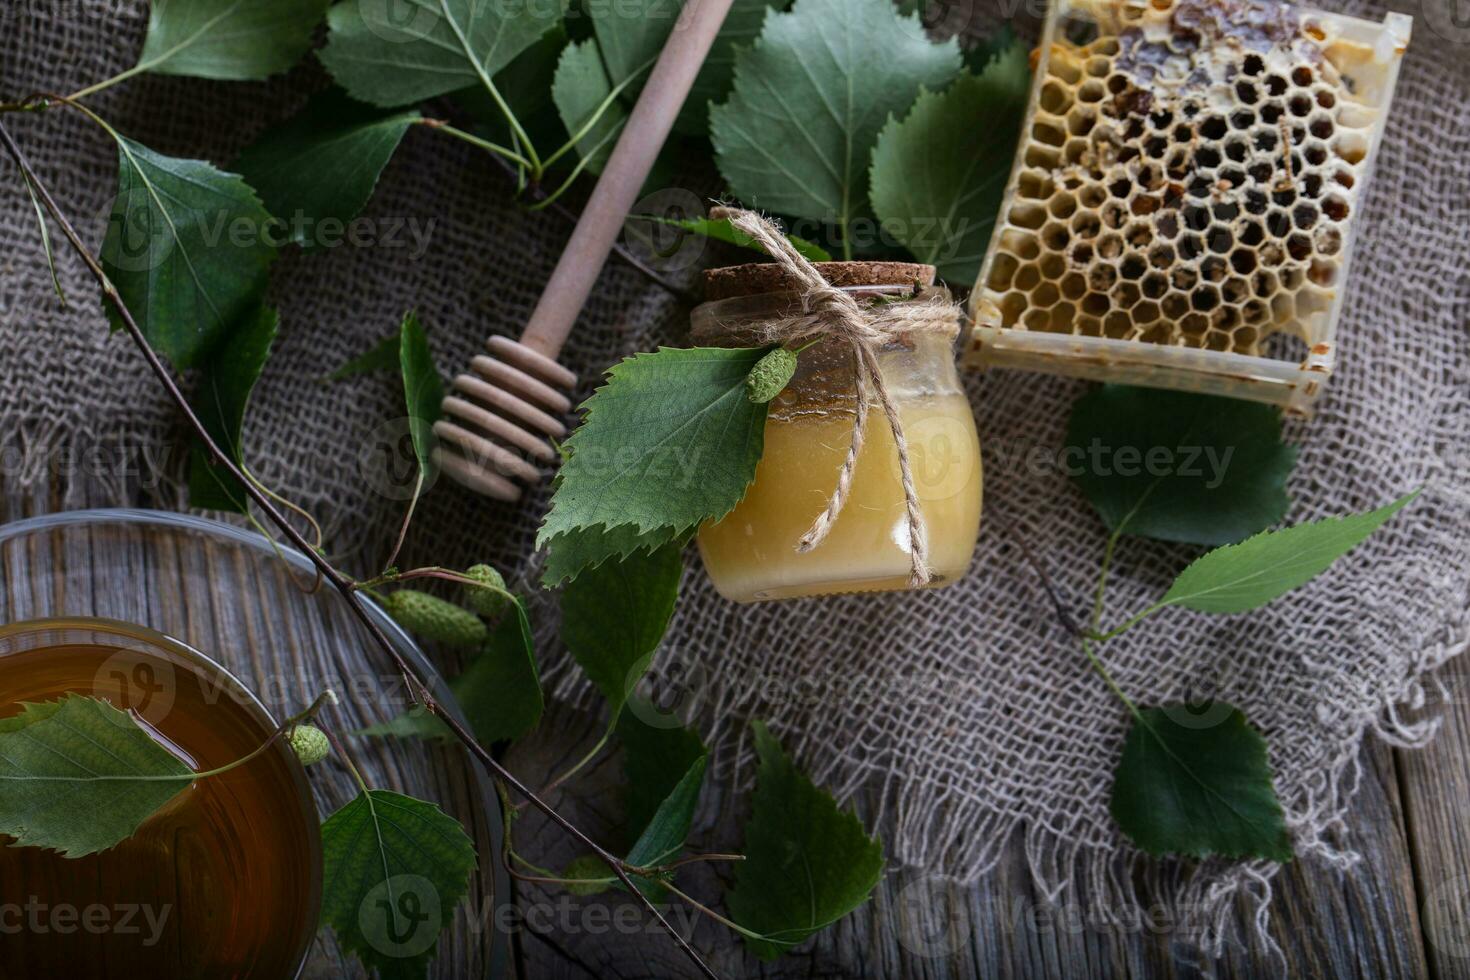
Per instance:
x=751, y=554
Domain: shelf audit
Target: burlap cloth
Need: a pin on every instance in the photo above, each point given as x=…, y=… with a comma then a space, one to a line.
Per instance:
x=967, y=709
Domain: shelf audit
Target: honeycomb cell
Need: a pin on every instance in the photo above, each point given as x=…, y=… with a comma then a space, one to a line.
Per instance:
x=1187, y=178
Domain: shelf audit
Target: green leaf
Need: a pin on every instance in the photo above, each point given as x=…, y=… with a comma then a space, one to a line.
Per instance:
x=382, y=357
x=238, y=40
x=417, y=722
x=188, y=248
x=393, y=871
x=723, y=230
x=809, y=99
x=423, y=392
x=669, y=442
x=1196, y=781
x=500, y=692
x=663, y=838
x=579, y=91
x=1199, y=469
x=938, y=176
x=996, y=45
x=525, y=85
x=79, y=776
x=569, y=553
x=614, y=616
x=807, y=863
x=631, y=35
x=1243, y=576
x=229, y=375
x=321, y=165
x=398, y=54
x=654, y=759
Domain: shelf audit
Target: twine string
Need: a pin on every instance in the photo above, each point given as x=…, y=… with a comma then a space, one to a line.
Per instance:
x=828, y=311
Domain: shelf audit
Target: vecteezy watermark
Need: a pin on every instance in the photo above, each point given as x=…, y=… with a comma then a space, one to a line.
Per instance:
x=138, y=238
x=37, y=918
x=1450, y=19
x=388, y=461
x=1098, y=458
x=402, y=916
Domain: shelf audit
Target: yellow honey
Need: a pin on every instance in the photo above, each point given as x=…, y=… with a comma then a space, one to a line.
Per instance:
x=751, y=554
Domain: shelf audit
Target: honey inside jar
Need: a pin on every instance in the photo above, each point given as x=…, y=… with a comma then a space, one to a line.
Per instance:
x=751, y=554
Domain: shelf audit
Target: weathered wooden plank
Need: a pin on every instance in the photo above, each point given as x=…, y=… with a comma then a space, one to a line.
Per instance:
x=1435, y=782
x=1359, y=924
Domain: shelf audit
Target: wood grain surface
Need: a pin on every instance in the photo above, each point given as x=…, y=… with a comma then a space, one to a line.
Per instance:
x=1402, y=911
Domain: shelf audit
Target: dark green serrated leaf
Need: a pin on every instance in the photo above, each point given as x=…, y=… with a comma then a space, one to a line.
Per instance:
x=237, y=40
x=995, y=45
x=568, y=554
x=1195, y=781
x=525, y=85
x=663, y=838
x=579, y=91
x=1243, y=576
x=394, y=869
x=423, y=392
x=414, y=723
x=223, y=394
x=669, y=442
x=939, y=174
x=614, y=616
x=322, y=164
x=188, y=248
x=79, y=776
x=809, y=98
x=807, y=863
x=1199, y=469
x=654, y=759
x=398, y=54
x=723, y=230
x=630, y=35
x=382, y=357
x=500, y=691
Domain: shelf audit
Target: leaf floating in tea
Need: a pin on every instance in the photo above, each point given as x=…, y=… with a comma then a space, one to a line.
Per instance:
x=807, y=863
x=394, y=869
x=79, y=776
x=1196, y=782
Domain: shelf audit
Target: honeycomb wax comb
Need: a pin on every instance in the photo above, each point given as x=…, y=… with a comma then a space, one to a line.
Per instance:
x=1183, y=202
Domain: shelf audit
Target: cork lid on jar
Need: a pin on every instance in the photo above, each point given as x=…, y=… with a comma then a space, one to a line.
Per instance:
x=755, y=278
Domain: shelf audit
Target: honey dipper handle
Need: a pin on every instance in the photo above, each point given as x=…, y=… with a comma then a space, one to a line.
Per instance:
x=617, y=189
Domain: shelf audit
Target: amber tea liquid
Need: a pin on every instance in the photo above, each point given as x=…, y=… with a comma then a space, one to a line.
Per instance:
x=223, y=883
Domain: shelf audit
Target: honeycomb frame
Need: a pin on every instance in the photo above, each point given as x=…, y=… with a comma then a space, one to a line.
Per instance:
x=1184, y=195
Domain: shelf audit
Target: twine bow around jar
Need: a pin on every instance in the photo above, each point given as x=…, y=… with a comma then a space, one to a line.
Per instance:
x=830, y=312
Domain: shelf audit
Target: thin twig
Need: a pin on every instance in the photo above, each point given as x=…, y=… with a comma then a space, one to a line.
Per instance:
x=1063, y=615
x=339, y=581
x=648, y=272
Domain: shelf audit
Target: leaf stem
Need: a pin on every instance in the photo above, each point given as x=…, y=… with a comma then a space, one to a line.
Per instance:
x=728, y=923
x=341, y=582
x=591, y=121
x=1102, y=579
x=1128, y=624
x=572, y=177
x=440, y=126
x=575, y=767
x=413, y=503
x=1102, y=672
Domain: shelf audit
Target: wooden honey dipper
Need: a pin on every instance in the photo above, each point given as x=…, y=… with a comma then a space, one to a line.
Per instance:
x=510, y=403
